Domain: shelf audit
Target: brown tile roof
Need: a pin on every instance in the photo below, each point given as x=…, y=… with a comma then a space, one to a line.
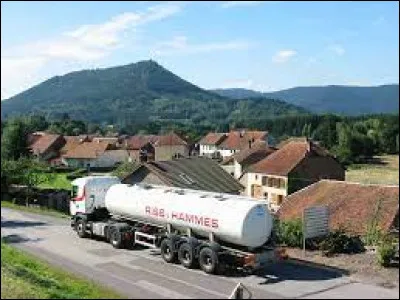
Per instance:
x=240, y=139
x=351, y=205
x=138, y=141
x=283, y=160
x=213, y=138
x=258, y=151
x=70, y=143
x=87, y=150
x=42, y=143
x=171, y=139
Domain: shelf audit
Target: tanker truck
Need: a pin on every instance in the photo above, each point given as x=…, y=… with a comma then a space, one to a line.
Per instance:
x=195, y=228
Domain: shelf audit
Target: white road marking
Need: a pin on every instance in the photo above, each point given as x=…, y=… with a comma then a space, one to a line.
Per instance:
x=162, y=291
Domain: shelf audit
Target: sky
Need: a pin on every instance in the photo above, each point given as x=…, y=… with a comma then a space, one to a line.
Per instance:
x=265, y=46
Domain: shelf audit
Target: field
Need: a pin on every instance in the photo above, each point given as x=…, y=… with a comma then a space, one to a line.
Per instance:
x=25, y=277
x=380, y=170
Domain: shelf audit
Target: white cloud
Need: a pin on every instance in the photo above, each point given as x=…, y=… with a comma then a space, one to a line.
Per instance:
x=228, y=4
x=86, y=43
x=283, y=56
x=338, y=49
x=180, y=45
x=379, y=21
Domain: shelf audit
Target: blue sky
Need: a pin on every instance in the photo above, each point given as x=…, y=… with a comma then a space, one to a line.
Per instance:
x=258, y=45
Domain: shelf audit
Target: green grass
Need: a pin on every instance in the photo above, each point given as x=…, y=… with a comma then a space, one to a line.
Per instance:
x=58, y=181
x=25, y=277
x=385, y=173
x=36, y=210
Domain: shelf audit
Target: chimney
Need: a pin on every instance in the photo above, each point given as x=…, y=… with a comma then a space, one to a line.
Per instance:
x=241, y=133
x=249, y=144
x=308, y=145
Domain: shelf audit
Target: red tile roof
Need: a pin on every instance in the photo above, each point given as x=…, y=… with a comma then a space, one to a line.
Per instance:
x=171, y=139
x=351, y=205
x=42, y=143
x=238, y=140
x=87, y=150
x=258, y=151
x=213, y=138
x=283, y=160
x=138, y=141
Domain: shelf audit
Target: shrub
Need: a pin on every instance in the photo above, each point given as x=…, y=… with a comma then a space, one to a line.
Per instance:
x=76, y=174
x=338, y=242
x=386, y=252
x=125, y=169
x=289, y=233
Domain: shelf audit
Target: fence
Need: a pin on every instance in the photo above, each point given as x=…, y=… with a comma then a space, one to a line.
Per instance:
x=56, y=199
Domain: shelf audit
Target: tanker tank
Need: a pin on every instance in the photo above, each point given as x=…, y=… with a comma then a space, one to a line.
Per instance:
x=233, y=219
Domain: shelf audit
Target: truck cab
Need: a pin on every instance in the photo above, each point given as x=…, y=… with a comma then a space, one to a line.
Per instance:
x=88, y=193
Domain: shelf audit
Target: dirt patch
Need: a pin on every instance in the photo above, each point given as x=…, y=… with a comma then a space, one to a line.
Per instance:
x=363, y=266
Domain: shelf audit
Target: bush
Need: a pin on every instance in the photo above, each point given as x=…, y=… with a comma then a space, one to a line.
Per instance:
x=338, y=242
x=125, y=169
x=386, y=252
x=289, y=233
x=76, y=174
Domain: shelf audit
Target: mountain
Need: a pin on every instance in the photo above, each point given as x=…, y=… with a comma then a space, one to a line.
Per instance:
x=140, y=92
x=238, y=93
x=346, y=100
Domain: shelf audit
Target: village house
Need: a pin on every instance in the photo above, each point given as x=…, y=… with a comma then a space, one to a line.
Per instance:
x=45, y=146
x=297, y=164
x=170, y=146
x=353, y=207
x=238, y=163
x=198, y=173
x=226, y=144
x=141, y=147
x=208, y=145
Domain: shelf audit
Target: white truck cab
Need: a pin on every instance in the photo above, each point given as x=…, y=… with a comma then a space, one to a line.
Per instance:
x=88, y=193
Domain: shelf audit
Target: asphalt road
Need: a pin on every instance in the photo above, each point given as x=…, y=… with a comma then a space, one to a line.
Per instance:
x=141, y=274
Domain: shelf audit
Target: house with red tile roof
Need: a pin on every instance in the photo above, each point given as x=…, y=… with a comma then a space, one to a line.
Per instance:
x=170, y=146
x=295, y=165
x=86, y=154
x=45, y=146
x=208, y=145
x=238, y=163
x=227, y=144
x=352, y=206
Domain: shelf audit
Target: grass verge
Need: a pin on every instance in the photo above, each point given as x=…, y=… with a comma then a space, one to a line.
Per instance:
x=26, y=277
x=36, y=210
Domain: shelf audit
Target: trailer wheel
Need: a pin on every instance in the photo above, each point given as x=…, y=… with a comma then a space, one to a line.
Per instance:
x=115, y=238
x=208, y=260
x=186, y=255
x=80, y=227
x=167, y=251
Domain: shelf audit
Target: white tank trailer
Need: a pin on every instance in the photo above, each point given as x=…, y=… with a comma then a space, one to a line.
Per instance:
x=195, y=227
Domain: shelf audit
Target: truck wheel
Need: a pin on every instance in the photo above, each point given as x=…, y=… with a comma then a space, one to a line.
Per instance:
x=167, y=251
x=208, y=260
x=115, y=238
x=186, y=255
x=80, y=227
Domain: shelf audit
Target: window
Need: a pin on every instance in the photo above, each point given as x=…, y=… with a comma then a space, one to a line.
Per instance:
x=266, y=195
x=256, y=177
x=264, y=180
x=280, y=199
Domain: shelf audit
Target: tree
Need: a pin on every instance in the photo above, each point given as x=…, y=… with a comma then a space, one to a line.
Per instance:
x=24, y=171
x=14, y=140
